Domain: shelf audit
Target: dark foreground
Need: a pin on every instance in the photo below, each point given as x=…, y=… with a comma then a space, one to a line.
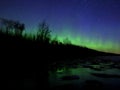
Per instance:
x=30, y=71
x=26, y=64
x=88, y=75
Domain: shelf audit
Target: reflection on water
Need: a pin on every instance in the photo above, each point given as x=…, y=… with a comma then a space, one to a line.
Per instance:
x=84, y=72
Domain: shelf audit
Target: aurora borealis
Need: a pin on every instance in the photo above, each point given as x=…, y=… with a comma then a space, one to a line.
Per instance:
x=91, y=23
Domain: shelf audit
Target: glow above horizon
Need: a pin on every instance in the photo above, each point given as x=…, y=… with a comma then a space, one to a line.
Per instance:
x=91, y=23
x=93, y=43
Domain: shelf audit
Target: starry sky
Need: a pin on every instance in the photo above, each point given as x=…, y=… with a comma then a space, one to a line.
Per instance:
x=91, y=23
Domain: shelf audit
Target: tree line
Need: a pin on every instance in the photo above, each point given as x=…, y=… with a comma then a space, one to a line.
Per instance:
x=43, y=32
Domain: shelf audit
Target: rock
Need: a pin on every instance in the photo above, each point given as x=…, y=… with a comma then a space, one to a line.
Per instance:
x=102, y=75
x=93, y=85
x=73, y=77
x=65, y=87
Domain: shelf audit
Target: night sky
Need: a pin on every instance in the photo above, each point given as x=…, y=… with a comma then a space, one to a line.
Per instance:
x=91, y=23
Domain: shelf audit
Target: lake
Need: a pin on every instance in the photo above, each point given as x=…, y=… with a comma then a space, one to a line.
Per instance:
x=86, y=75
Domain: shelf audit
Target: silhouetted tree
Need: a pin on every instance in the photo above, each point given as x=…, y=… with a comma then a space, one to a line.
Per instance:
x=5, y=24
x=55, y=40
x=12, y=26
x=66, y=41
x=19, y=28
x=43, y=33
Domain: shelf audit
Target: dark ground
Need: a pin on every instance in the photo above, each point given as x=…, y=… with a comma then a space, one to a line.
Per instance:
x=25, y=62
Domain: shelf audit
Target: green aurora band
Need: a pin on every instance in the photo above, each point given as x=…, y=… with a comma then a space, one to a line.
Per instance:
x=93, y=42
x=81, y=39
